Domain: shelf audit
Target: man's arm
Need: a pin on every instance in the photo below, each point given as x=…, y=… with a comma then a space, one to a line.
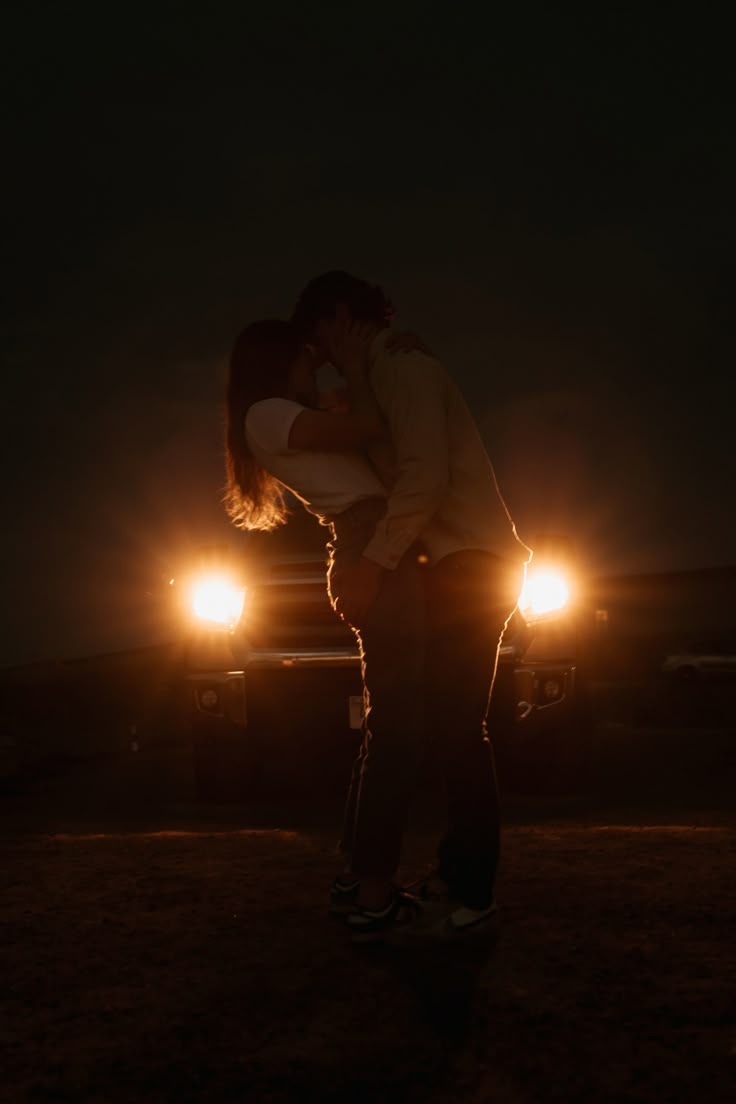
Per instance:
x=382, y=456
x=417, y=414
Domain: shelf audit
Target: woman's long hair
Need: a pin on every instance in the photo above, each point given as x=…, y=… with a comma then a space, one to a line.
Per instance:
x=258, y=369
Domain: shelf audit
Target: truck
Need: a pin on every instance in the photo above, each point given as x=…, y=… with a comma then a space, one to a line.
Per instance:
x=273, y=682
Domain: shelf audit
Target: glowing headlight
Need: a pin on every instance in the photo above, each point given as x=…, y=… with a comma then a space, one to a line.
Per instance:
x=544, y=592
x=218, y=600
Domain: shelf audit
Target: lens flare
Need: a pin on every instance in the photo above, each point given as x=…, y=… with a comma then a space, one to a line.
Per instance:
x=217, y=600
x=544, y=592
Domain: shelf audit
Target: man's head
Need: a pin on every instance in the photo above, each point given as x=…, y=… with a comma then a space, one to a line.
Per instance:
x=331, y=300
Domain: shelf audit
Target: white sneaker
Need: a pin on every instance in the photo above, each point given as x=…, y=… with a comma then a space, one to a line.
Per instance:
x=367, y=926
x=440, y=924
x=430, y=887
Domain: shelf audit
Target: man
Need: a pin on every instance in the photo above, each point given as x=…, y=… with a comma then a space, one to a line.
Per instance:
x=444, y=495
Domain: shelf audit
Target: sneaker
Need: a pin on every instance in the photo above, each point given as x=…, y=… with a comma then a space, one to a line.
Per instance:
x=438, y=924
x=430, y=887
x=343, y=895
x=367, y=926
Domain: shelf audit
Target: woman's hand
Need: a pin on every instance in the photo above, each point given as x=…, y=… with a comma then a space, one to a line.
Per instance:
x=350, y=344
x=407, y=343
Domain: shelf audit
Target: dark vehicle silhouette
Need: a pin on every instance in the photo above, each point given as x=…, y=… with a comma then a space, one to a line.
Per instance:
x=273, y=674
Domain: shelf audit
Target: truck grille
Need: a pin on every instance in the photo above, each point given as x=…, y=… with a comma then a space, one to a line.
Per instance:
x=290, y=609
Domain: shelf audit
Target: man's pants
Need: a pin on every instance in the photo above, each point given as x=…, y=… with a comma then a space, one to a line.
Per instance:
x=470, y=598
x=429, y=646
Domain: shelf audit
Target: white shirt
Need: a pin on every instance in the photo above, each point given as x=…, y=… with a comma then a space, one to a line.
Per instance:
x=326, y=482
x=445, y=491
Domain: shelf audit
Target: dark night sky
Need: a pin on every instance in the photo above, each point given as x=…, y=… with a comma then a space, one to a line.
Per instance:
x=549, y=203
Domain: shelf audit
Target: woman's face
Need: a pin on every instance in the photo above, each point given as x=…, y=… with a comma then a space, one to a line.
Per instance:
x=302, y=379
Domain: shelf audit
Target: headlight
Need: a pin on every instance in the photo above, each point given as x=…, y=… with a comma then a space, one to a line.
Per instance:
x=544, y=592
x=217, y=600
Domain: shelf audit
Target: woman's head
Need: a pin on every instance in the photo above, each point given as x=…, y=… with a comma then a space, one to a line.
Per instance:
x=267, y=360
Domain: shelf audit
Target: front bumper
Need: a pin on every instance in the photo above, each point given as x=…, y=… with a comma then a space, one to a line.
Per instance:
x=273, y=685
x=530, y=697
x=544, y=693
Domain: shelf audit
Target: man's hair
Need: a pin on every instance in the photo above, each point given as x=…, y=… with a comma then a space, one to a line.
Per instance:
x=321, y=297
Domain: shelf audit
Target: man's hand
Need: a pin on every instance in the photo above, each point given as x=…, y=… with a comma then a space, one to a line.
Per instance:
x=407, y=342
x=350, y=346
x=359, y=587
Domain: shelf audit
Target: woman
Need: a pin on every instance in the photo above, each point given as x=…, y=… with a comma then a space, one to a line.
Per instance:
x=277, y=440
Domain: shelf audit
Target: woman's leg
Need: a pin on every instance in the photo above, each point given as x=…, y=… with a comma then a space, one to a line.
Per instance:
x=392, y=648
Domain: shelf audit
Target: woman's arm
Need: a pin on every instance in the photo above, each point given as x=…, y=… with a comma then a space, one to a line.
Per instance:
x=319, y=431
x=363, y=425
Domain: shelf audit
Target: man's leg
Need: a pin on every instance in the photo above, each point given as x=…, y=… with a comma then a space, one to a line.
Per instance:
x=470, y=599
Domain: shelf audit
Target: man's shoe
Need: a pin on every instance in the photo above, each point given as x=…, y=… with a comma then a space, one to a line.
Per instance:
x=343, y=895
x=368, y=926
x=430, y=887
x=440, y=924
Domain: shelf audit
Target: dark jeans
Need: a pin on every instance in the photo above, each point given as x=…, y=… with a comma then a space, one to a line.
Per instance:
x=429, y=647
x=470, y=598
x=392, y=643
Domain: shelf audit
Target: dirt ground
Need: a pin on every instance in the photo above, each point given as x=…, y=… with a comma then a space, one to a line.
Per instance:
x=154, y=949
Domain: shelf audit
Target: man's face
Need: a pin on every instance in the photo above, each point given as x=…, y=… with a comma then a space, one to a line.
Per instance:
x=327, y=329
